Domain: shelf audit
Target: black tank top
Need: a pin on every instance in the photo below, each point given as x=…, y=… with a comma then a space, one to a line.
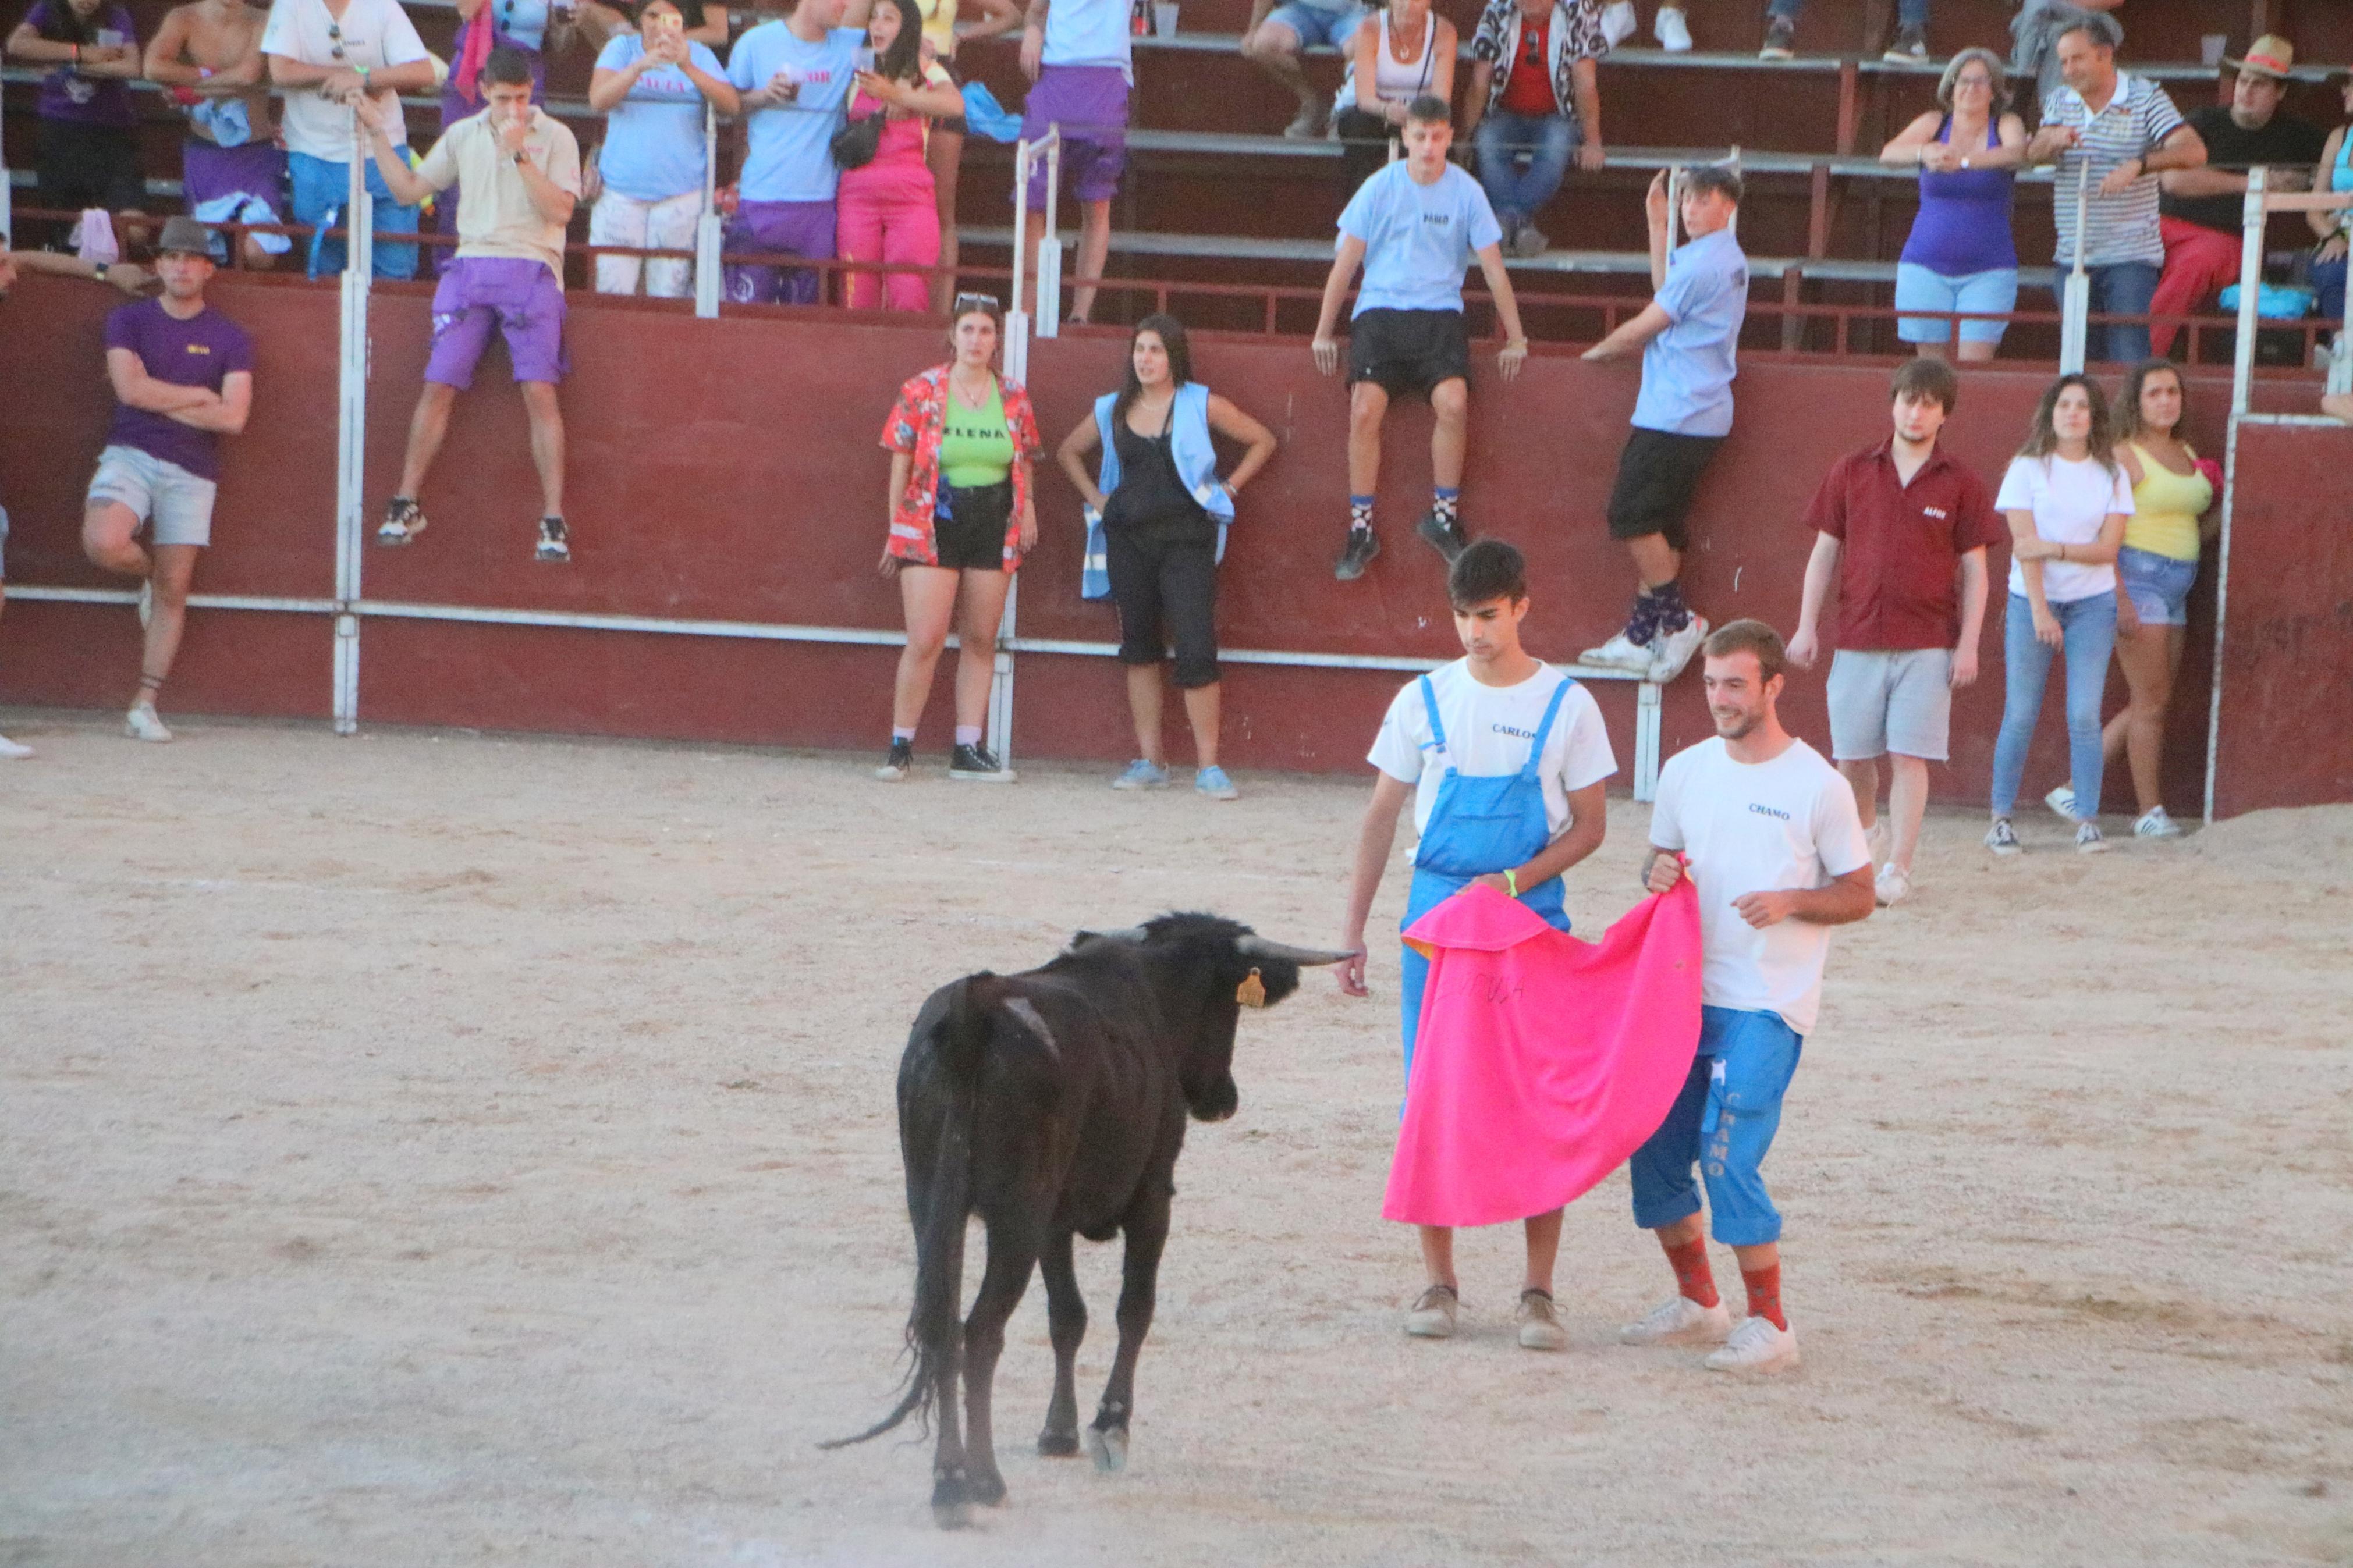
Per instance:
x=1150, y=491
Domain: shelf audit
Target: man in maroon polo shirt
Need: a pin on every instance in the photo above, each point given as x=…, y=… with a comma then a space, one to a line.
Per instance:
x=1902, y=529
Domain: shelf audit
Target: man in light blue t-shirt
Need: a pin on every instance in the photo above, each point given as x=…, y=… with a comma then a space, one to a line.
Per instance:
x=1690, y=337
x=793, y=75
x=1414, y=226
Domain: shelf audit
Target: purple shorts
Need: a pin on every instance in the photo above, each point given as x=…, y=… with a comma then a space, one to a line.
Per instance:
x=520, y=298
x=798, y=228
x=256, y=170
x=1089, y=103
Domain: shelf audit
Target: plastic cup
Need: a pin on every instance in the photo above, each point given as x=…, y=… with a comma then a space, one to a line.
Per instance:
x=1164, y=18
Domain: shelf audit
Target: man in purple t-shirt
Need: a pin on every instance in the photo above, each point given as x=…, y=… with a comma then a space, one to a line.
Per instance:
x=182, y=375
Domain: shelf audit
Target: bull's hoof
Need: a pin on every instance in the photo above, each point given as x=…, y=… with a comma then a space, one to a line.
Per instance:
x=952, y=1515
x=1057, y=1444
x=1108, y=1445
x=988, y=1490
x=951, y=1501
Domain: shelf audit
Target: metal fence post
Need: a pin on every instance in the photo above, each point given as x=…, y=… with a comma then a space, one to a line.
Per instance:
x=708, y=228
x=351, y=435
x=2243, y=375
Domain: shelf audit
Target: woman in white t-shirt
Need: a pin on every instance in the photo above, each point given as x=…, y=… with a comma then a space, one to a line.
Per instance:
x=2067, y=499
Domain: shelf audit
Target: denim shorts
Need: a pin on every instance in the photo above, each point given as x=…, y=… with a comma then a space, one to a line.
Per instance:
x=1918, y=289
x=2157, y=585
x=1320, y=25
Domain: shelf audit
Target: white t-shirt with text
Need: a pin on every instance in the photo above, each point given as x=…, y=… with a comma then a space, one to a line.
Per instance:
x=1488, y=729
x=376, y=34
x=1752, y=827
x=2069, y=499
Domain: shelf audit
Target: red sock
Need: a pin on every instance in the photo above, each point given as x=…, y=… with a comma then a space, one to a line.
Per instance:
x=1765, y=1295
x=1694, y=1281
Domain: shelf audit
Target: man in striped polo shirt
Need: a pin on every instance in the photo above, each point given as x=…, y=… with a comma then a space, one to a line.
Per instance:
x=2128, y=131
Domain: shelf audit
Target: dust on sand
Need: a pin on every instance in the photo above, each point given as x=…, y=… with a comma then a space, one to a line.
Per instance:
x=430, y=1149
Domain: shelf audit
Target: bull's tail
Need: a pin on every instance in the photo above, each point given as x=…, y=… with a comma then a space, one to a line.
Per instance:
x=934, y=1329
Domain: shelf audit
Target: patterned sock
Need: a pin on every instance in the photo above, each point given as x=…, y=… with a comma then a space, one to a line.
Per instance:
x=1360, y=513
x=1673, y=613
x=1765, y=1295
x=906, y=734
x=1446, y=505
x=1694, y=1281
x=1642, y=624
x=968, y=734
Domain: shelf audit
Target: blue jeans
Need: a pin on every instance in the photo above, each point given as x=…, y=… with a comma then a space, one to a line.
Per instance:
x=1908, y=13
x=2328, y=282
x=321, y=187
x=2088, y=628
x=2120, y=288
x=1550, y=140
x=1723, y=1122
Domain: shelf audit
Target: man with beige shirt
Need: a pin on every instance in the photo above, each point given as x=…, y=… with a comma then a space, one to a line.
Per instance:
x=518, y=173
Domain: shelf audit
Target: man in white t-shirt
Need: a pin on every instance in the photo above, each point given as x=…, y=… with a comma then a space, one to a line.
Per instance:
x=1506, y=759
x=325, y=55
x=1767, y=831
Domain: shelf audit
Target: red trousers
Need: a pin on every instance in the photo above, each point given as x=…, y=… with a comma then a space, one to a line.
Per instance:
x=2200, y=263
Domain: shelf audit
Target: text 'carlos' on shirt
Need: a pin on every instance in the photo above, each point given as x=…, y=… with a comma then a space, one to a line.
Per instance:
x=791, y=154
x=1754, y=828
x=1417, y=238
x=1488, y=729
x=1687, y=370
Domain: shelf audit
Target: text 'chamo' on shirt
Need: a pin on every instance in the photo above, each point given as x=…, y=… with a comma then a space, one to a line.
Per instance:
x=1418, y=239
x=1752, y=827
x=1488, y=732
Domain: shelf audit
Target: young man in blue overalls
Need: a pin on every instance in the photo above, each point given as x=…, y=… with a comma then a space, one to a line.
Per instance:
x=1506, y=759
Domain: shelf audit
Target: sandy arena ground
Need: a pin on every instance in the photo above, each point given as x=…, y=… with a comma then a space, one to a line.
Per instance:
x=430, y=1150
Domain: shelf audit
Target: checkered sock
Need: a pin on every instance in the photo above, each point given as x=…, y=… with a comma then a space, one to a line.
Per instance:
x=1446, y=505
x=1360, y=513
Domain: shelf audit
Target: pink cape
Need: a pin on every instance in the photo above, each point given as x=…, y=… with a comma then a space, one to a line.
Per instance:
x=1542, y=1060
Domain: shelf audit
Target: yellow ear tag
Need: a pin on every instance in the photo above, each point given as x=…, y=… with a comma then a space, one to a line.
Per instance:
x=1251, y=992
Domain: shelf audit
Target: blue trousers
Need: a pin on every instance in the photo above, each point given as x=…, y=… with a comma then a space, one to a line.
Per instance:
x=2088, y=628
x=1549, y=142
x=1908, y=13
x=2328, y=282
x=321, y=187
x=2121, y=289
x=1723, y=1122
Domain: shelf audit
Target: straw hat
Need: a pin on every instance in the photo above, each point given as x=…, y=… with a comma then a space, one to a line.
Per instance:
x=2272, y=55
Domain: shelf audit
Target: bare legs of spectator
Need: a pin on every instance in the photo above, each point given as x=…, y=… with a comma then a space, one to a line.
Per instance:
x=943, y=153
x=1274, y=50
x=1203, y=711
x=2339, y=406
x=1907, y=802
x=935, y=598
x=1094, y=247
x=1543, y=1232
x=107, y=538
x=2151, y=658
x=1368, y=405
x=1656, y=563
x=430, y=423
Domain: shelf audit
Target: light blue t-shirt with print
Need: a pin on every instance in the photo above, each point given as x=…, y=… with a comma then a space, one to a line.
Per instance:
x=791, y=155
x=1088, y=33
x=525, y=21
x=653, y=138
x=1417, y=238
x=1687, y=370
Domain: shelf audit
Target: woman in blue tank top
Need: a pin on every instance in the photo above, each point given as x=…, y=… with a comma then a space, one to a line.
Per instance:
x=1960, y=256
x=2335, y=173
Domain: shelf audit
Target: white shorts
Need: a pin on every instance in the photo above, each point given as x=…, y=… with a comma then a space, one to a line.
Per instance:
x=1899, y=701
x=177, y=502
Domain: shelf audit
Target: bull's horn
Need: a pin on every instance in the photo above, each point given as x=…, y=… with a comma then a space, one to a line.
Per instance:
x=1255, y=946
x=1132, y=933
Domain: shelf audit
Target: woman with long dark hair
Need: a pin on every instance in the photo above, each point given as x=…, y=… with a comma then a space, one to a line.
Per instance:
x=886, y=209
x=961, y=440
x=1157, y=520
x=2067, y=499
x=89, y=148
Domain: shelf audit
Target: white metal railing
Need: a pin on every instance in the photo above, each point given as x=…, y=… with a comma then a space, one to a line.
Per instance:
x=351, y=433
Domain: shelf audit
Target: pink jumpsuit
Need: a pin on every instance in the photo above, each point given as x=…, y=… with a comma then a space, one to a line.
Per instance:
x=889, y=211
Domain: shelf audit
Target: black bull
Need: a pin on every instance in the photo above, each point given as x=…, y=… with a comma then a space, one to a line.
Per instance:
x=1052, y=1103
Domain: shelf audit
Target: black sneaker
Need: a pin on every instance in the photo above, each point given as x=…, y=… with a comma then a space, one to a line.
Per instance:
x=1447, y=538
x=978, y=763
x=1356, y=554
x=402, y=522
x=894, y=766
x=1780, y=39
x=1910, y=47
x=554, y=543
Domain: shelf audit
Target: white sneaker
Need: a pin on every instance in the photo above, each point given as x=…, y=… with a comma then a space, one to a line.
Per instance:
x=2088, y=839
x=2061, y=802
x=1892, y=886
x=1431, y=1316
x=1620, y=652
x=1680, y=1320
x=140, y=725
x=1669, y=28
x=1675, y=650
x=11, y=750
x=1757, y=1346
x=2154, y=823
x=1618, y=22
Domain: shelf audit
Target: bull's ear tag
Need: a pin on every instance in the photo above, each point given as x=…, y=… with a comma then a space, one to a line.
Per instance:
x=1251, y=992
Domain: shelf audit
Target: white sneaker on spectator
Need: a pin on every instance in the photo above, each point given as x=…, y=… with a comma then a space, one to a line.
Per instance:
x=1671, y=31
x=140, y=725
x=1674, y=650
x=1892, y=886
x=1680, y=1320
x=2002, y=839
x=12, y=751
x=2089, y=839
x=1618, y=22
x=1757, y=1346
x=2061, y=802
x=1306, y=125
x=1620, y=652
x=1528, y=240
x=2154, y=823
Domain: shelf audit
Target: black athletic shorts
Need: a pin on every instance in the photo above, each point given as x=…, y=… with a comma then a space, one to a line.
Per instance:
x=968, y=526
x=84, y=165
x=1408, y=351
x=1656, y=475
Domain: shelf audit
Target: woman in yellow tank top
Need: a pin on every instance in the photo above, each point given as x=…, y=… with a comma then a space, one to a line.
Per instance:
x=2172, y=489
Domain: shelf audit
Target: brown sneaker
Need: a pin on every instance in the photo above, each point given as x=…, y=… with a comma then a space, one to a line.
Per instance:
x=1539, y=1329
x=1432, y=1315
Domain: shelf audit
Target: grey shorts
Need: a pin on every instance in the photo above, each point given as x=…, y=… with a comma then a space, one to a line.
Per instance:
x=1891, y=702
x=177, y=504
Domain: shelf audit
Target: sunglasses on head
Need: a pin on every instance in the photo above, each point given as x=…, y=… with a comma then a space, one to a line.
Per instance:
x=976, y=302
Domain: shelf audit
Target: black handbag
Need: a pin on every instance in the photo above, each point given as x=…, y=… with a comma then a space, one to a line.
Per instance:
x=856, y=142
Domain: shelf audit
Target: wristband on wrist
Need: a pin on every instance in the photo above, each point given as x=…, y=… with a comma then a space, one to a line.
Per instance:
x=1511, y=880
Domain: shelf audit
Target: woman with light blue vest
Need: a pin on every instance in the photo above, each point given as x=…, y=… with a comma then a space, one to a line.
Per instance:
x=1156, y=521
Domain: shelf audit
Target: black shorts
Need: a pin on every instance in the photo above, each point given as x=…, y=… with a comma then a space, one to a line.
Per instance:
x=1656, y=475
x=84, y=165
x=1164, y=578
x=968, y=526
x=958, y=126
x=1409, y=350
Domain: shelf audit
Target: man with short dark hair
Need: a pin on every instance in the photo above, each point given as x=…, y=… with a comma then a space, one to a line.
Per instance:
x=182, y=377
x=517, y=172
x=1897, y=526
x=1768, y=832
x=1690, y=337
x=1496, y=737
x=1414, y=225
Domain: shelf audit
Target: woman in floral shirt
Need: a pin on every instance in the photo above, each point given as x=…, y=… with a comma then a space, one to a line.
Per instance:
x=961, y=440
